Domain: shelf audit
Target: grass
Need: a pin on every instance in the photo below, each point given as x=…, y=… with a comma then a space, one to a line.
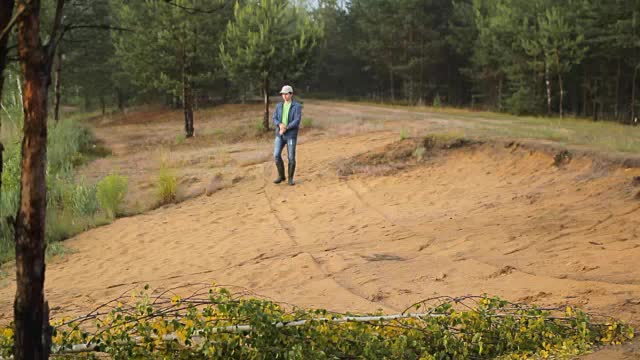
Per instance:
x=404, y=134
x=72, y=206
x=599, y=135
x=307, y=123
x=111, y=192
x=166, y=186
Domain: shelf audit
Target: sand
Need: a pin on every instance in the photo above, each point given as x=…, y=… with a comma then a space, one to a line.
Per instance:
x=484, y=219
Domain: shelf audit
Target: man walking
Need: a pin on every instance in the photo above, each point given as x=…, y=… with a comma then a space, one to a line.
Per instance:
x=286, y=119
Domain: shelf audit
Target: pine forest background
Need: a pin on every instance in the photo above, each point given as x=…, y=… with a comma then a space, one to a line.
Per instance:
x=541, y=57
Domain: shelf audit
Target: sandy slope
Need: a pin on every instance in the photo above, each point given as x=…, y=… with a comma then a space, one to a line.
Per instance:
x=483, y=219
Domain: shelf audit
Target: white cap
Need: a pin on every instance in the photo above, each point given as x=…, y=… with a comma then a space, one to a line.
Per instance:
x=286, y=89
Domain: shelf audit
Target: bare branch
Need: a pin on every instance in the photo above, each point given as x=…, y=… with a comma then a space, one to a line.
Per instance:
x=14, y=19
x=57, y=24
x=99, y=27
x=195, y=10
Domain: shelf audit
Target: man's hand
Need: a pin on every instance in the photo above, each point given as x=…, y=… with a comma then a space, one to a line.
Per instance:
x=282, y=128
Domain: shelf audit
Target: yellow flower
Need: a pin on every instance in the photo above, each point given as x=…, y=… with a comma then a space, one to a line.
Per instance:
x=7, y=333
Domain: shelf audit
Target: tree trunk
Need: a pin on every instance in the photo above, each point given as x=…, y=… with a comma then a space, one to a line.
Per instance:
x=561, y=109
x=594, y=99
x=391, y=83
x=585, y=90
x=633, y=94
x=560, y=105
x=120, y=99
x=56, y=86
x=29, y=306
x=547, y=82
x=187, y=98
x=500, y=93
x=617, y=105
x=187, y=107
x=265, y=93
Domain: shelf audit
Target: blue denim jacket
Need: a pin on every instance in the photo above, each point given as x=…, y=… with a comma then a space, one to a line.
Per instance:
x=295, y=115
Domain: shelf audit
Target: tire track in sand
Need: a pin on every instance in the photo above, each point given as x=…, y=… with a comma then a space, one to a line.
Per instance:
x=292, y=237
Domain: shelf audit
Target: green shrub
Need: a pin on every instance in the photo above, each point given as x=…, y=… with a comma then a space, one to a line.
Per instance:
x=259, y=126
x=307, y=122
x=66, y=142
x=9, y=197
x=84, y=200
x=436, y=101
x=167, y=186
x=220, y=325
x=111, y=192
x=420, y=152
x=404, y=134
x=180, y=139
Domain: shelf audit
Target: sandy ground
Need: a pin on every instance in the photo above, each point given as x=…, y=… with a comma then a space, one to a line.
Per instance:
x=488, y=218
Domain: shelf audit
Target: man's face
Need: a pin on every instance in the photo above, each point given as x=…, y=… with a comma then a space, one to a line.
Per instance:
x=287, y=96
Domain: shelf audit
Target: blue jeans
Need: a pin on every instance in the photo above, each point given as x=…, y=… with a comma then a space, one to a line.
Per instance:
x=290, y=141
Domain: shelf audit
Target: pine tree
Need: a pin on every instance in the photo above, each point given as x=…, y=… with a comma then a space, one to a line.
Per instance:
x=267, y=40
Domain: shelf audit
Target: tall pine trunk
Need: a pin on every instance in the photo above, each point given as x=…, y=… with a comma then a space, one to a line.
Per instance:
x=187, y=97
x=265, y=94
x=633, y=94
x=561, y=107
x=617, y=105
x=392, y=83
x=57, y=86
x=120, y=99
x=547, y=81
x=31, y=318
x=561, y=85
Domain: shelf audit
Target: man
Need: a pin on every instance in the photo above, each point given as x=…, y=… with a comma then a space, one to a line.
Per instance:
x=286, y=119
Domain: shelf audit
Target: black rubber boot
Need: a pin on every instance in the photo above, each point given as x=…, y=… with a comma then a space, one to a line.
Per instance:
x=292, y=170
x=280, y=167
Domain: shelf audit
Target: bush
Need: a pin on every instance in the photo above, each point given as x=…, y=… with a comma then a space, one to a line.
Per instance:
x=67, y=140
x=221, y=325
x=259, y=126
x=420, y=152
x=111, y=192
x=436, y=101
x=307, y=122
x=404, y=134
x=71, y=206
x=167, y=186
x=180, y=139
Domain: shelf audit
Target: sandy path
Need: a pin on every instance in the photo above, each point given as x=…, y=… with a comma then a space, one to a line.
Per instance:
x=485, y=219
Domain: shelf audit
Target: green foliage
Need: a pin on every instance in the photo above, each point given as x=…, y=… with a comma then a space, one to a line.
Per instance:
x=266, y=40
x=180, y=139
x=167, y=185
x=111, y=192
x=404, y=133
x=420, y=152
x=259, y=127
x=71, y=205
x=172, y=47
x=307, y=122
x=436, y=101
x=206, y=327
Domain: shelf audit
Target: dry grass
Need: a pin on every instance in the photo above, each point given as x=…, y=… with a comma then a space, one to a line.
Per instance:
x=602, y=136
x=399, y=155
